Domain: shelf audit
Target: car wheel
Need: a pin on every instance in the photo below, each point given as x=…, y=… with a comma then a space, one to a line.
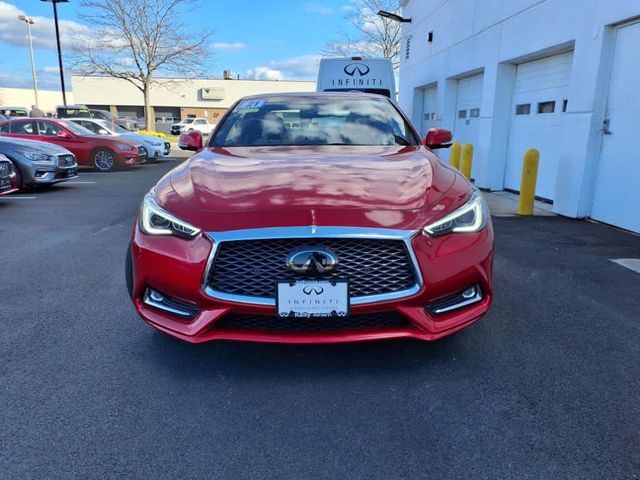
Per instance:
x=128, y=272
x=104, y=160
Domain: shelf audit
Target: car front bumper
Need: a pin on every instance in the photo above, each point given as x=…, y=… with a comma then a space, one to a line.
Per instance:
x=448, y=265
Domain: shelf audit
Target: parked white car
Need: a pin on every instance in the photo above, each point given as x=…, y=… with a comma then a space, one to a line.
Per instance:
x=200, y=124
x=156, y=146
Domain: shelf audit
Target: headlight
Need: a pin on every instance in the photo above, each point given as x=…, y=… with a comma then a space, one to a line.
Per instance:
x=126, y=148
x=39, y=157
x=469, y=218
x=154, y=220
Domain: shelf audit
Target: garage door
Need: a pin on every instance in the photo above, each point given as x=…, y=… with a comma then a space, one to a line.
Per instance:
x=617, y=189
x=539, y=100
x=468, y=111
x=429, y=109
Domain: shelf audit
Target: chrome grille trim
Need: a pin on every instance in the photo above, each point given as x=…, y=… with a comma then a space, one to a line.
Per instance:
x=66, y=160
x=312, y=232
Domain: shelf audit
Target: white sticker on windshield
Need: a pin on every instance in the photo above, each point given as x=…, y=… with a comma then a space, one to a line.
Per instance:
x=251, y=104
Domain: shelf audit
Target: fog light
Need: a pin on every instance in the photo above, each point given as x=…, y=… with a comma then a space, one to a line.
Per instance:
x=40, y=173
x=155, y=299
x=470, y=292
x=156, y=296
x=465, y=298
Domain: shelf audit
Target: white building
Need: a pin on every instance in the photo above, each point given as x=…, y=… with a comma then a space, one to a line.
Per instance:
x=173, y=99
x=48, y=100
x=562, y=76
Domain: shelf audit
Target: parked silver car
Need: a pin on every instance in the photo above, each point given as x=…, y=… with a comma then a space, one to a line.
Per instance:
x=38, y=163
x=156, y=146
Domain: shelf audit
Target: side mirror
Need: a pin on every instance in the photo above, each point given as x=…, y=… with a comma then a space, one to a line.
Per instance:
x=63, y=134
x=438, y=138
x=191, y=140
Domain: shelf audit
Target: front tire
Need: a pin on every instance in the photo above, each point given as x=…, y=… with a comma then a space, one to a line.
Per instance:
x=104, y=160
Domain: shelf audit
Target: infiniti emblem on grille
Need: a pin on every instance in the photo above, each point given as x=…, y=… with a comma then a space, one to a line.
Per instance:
x=312, y=260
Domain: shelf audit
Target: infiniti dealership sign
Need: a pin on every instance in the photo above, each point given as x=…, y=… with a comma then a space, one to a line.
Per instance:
x=357, y=75
x=373, y=75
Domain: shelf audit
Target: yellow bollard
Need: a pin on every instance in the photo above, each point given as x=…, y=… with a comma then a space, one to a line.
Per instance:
x=528, y=182
x=454, y=156
x=467, y=159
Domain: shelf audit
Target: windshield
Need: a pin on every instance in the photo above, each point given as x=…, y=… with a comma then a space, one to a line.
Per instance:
x=188, y=120
x=314, y=120
x=110, y=127
x=118, y=128
x=75, y=128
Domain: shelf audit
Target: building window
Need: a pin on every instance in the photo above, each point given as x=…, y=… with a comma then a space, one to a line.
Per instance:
x=474, y=112
x=407, y=49
x=565, y=102
x=523, y=109
x=462, y=114
x=434, y=116
x=546, y=107
x=427, y=116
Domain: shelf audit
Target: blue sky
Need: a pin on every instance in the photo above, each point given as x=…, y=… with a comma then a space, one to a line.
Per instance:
x=255, y=38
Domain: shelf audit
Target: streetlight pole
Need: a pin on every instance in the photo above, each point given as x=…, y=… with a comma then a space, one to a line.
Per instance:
x=29, y=21
x=55, y=17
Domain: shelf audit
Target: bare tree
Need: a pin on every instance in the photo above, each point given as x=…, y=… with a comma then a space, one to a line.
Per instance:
x=139, y=40
x=374, y=37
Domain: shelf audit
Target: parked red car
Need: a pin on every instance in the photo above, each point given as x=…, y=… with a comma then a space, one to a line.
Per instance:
x=312, y=217
x=8, y=178
x=98, y=151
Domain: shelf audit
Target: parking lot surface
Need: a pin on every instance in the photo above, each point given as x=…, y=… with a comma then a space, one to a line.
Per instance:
x=545, y=387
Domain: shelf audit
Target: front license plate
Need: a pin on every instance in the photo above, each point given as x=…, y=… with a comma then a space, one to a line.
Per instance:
x=313, y=299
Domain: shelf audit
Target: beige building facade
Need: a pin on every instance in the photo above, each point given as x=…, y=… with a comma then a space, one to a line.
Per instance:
x=174, y=99
x=48, y=100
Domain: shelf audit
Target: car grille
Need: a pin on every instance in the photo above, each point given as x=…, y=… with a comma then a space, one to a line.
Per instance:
x=252, y=267
x=5, y=169
x=237, y=321
x=66, y=160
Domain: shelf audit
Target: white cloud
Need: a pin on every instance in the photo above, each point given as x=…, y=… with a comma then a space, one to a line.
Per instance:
x=264, y=73
x=14, y=32
x=304, y=67
x=350, y=7
x=229, y=47
x=317, y=8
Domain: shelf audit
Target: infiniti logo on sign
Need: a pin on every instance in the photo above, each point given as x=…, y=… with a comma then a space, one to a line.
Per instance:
x=312, y=260
x=352, y=68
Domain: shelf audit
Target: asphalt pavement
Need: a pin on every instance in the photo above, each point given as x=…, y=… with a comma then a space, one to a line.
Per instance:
x=546, y=386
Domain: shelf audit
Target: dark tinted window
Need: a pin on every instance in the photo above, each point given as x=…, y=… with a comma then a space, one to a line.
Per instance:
x=48, y=129
x=24, y=127
x=4, y=127
x=314, y=120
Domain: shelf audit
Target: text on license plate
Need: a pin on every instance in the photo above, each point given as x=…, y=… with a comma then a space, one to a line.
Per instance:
x=313, y=298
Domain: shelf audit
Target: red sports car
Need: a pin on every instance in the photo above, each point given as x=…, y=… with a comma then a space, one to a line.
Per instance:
x=8, y=178
x=103, y=153
x=315, y=217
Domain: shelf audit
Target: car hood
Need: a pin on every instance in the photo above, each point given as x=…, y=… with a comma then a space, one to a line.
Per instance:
x=249, y=187
x=8, y=144
x=135, y=137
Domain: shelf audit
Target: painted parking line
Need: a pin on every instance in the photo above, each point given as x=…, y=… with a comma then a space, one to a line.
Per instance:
x=73, y=183
x=20, y=197
x=630, y=263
